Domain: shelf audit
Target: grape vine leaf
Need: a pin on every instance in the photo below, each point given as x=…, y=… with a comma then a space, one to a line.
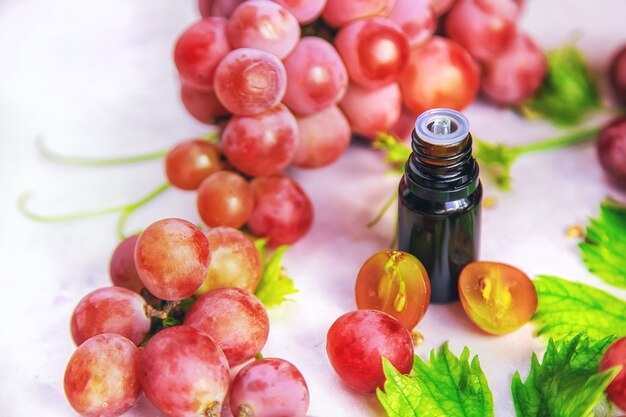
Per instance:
x=275, y=285
x=568, y=91
x=567, y=382
x=449, y=386
x=566, y=308
x=605, y=245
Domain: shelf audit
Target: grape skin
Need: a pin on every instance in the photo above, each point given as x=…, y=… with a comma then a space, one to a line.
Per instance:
x=235, y=261
x=223, y=8
x=611, y=148
x=440, y=73
x=249, y=81
x=110, y=310
x=263, y=25
x=615, y=355
x=269, y=387
x=324, y=137
x=304, y=10
x=225, y=198
x=102, y=376
x=282, y=210
x=202, y=105
x=317, y=76
x=122, y=268
x=374, y=50
x=190, y=162
x=356, y=343
x=372, y=111
x=617, y=75
x=416, y=18
x=199, y=49
x=183, y=372
x=339, y=12
x=235, y=319
x=515, y=75
x=264, y=144
x=172, y=258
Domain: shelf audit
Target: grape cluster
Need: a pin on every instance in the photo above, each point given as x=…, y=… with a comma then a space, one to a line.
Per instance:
x=185, y=297
x=292, y=80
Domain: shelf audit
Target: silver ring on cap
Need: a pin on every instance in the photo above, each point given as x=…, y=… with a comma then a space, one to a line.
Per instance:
x=459, y=127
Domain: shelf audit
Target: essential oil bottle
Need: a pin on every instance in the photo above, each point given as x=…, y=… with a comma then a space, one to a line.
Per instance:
x=439, y=204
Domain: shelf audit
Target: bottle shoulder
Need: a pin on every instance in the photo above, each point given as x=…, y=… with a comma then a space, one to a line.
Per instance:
x=443, y=206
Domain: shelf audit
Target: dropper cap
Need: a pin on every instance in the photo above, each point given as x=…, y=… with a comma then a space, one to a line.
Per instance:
x=442, y=127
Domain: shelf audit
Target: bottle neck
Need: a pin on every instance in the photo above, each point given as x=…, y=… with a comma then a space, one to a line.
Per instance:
x=441, y=173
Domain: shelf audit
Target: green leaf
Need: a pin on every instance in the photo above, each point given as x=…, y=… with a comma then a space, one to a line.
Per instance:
x=275, y=285
x=449, y=386
x=496, y=159
x=566, y=383
x=604, y=249
x=566, y=308
x=568, y=91
x=396, y=152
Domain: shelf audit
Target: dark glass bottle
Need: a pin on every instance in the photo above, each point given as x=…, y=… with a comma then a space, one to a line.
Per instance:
x=439, y=200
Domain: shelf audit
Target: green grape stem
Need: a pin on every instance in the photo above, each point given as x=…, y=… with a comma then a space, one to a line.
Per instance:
x=125, y=210
x=569, y=139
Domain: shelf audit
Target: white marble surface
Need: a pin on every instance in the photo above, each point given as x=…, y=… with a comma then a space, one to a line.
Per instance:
x=97, y=78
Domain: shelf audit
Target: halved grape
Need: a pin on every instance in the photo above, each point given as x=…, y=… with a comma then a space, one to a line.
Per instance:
x=498, y=298
x=282, y=210
x=184, y=373
x=263, y=144
x=440, y=73
x=199, y=49
x=339, y=12
x=317, y=76
x=324, y=137
x=269, y=387
x=102, y=376
x=122, y=265
x=225, y=198
x=190, y=162
x=110, y=310
x=263, y=25
x=235, y=319
x=172, y=258
x=357, y=342
x=375, y=51
x=614, y=356
x=249, y=81
x=515, y=75
x=235, y=261
x=396, y=283
x=372, y=111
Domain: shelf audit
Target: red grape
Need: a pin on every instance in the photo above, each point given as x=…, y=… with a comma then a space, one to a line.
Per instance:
x=304, y=10
x=404, y=126
x=615, y=355
x=375, y=50
x=356, y=343
x=372, y=111
x=249, y=81
x=110, y=310
x=617, y=75
x=441, y=6
x=102, y=376
x=202, y=105
x=199, y=49
x=416, y=18
x=225, y=199
x=235, y=261
x=172, y=258
x=269, y=387
x=513, y=76
x=611, y=147
x=184, y=373
x=339, y=12
x=282, y=210
x=485, y=28
x=324, y=137
x=440, y=73
x=263, y=25
x=235, y=319
x=222, y=8
x=264, y=144
x=190, y=162
x=317, y=76
x=122, y=266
